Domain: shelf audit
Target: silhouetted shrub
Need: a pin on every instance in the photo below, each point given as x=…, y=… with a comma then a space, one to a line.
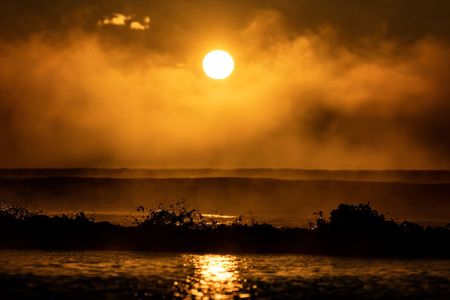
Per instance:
x=355, y=218
x=176, y=215
x=352, y=217
x=9, y=210
x=411, y=227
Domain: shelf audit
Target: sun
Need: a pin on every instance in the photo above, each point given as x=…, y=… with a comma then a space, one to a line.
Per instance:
x=218, y=64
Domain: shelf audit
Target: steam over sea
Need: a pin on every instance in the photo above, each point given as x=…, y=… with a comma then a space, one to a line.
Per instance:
x=284, y=197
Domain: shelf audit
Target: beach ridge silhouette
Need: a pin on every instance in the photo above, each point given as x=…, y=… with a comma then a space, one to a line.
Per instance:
x=350, y=230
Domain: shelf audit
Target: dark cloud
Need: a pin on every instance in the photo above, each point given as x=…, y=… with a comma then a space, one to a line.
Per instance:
x=405, y=19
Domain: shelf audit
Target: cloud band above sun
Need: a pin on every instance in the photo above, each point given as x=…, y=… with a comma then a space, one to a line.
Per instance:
x=125, y=20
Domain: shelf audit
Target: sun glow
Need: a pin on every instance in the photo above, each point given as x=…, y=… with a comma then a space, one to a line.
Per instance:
x=218, y=64
x=214, y=277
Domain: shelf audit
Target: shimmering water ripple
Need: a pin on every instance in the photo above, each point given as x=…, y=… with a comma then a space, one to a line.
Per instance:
x=140, y=275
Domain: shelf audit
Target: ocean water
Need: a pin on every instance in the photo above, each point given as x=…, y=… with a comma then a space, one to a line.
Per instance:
x=141, y=275
x=276, y=201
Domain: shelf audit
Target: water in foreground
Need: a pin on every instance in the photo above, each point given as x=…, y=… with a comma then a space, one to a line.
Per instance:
x=141, y=275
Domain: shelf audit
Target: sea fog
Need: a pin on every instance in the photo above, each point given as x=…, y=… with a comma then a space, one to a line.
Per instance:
x=283, y=197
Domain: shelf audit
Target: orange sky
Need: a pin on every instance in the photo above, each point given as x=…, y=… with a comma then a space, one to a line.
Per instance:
x=316, y=85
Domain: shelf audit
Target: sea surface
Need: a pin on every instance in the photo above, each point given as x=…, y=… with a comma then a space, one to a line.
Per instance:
x=141, y=275
x=282, y=197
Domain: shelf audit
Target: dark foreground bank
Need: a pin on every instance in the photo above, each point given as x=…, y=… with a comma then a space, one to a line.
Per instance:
x=351, y=230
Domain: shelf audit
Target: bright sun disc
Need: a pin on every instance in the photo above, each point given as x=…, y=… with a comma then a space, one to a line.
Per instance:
x=218, y=64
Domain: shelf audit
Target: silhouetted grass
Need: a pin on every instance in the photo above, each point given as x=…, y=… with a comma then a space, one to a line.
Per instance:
x=351, y=230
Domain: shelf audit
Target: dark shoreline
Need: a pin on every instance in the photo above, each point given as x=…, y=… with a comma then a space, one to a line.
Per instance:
x=352, y=230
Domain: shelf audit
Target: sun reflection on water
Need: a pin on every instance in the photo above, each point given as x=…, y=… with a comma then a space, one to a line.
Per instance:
x=214, y=276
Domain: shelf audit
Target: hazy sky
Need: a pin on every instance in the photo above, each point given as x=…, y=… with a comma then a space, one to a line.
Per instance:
x=317, y=84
